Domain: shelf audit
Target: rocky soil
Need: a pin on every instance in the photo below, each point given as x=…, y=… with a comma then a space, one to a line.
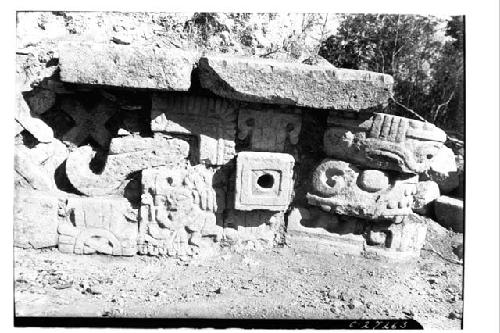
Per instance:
x=281, y=283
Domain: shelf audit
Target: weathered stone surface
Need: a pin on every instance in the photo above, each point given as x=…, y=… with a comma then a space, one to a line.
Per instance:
x=443, y=170
x=35, y=219
x=99, y=225
x=269, y=130
x=262, y=227
x=35, y=167
x=212, y=120
x=264, y=181
x=89, y=122
x=271, y=81
x=314, y=230
x=40, y=130
x=384, y=142
x=339, y=187
x=179, y=211
x=407, y=236
x=41, y=100
x=427, y=192
x=145, y=66
x=139, y=154
x=450, y=212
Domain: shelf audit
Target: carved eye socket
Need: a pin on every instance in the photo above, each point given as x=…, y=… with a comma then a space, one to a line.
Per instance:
x=170, y=181
x=250, y=122
x=333, y=176
x=373, y=180
x=290, y=127
x=429, y=156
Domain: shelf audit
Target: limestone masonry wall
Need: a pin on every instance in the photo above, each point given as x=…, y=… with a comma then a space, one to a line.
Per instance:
x=143, y=149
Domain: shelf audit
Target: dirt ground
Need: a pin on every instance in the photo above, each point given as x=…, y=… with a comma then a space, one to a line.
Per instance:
x=280, y=283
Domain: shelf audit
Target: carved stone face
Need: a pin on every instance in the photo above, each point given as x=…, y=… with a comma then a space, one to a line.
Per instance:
x=384, y=141
x=176, y=204
x=344, y=189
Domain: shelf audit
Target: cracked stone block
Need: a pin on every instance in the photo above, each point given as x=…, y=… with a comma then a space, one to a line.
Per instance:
x=450, y=212
x=143, y=67
x=263, y=181
x=264, y=227
x=99, y=225
x=212, y=120
x=126, y=156
x=383, y=141
x=342, y=188
x=269, y=130
x=277, y=82
x=180, y=214
x=36, y=216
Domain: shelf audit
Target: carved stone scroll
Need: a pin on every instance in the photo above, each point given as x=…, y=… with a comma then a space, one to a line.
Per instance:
x=213, y=120
x=127, y=155
x=269, y=130
x=384, y=141
x=344, y=189
x=178, y=207
x=97, y=225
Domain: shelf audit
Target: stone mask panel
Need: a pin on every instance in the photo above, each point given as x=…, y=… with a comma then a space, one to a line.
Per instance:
x=342, y=188
x=384, y=141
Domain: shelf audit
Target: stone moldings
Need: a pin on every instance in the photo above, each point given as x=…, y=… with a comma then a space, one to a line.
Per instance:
x=343, y=188
x=99, y=225
x=127, y=155
x=179, y=211
x=263, y=181
x=212, y=120
x=143, y=67
x=384, y=141
x=269, y=130
x=275, y=82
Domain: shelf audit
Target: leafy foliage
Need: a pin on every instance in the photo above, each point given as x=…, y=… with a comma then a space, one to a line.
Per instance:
x=428, y=70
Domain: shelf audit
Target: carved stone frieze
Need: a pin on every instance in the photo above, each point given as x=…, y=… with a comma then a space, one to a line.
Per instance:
x=263, y=181
x=343, y=188
x=127, y=155
x=384, y=141
x=179, y=211
x=98, y=225
x=269, y=130
x=212, y=120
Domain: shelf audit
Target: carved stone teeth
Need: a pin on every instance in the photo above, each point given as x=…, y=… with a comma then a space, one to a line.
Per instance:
x=326, y=208
x=400, y=204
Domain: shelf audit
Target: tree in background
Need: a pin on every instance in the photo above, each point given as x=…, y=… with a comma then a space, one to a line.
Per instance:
x=428, y=69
